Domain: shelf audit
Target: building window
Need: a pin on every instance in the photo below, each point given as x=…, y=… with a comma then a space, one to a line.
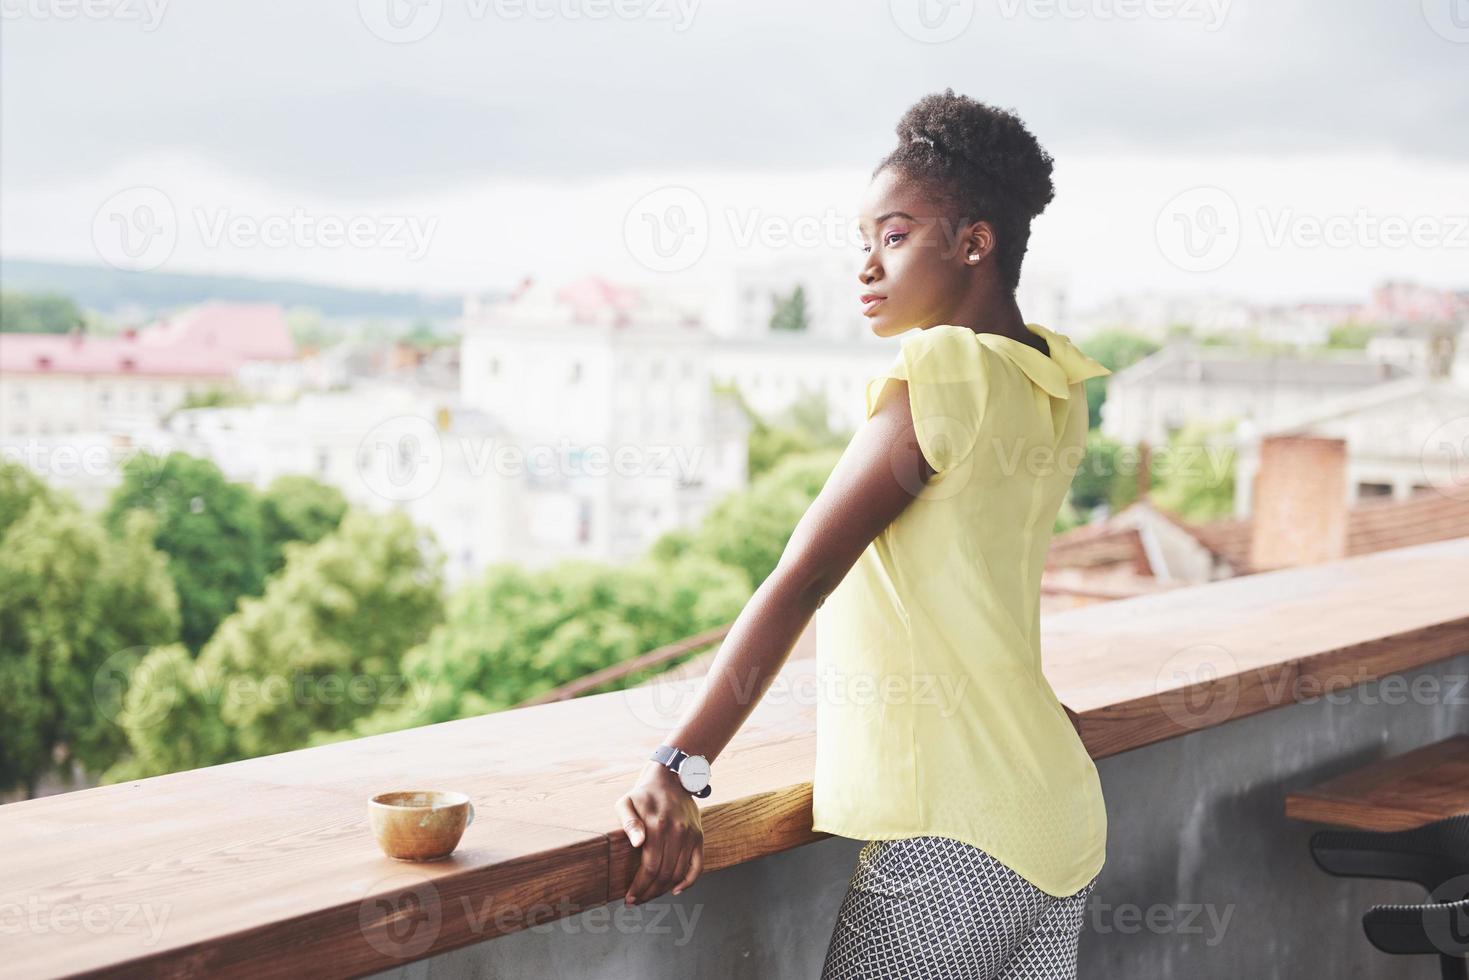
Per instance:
x=1368, y=489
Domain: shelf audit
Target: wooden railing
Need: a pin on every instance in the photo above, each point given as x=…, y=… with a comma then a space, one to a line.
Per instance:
x=267, y=867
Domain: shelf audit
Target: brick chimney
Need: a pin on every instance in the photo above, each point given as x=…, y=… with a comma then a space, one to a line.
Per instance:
x=1300, y=502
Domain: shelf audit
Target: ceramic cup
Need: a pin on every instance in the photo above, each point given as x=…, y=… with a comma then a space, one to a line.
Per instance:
x=419, y=824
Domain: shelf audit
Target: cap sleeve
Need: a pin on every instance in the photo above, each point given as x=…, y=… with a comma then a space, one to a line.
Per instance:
x=945, y=370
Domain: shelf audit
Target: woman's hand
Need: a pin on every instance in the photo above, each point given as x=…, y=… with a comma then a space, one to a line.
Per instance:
x=661, y=816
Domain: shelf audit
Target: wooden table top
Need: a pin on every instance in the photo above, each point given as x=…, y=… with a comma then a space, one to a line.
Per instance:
x=267, y=867
x=1400, y=792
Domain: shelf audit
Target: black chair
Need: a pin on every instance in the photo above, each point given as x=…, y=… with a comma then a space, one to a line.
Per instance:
x=1440, y=928
x=1435, y=856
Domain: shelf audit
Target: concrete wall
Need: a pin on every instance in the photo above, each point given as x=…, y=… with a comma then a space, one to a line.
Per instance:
x=1205, y=877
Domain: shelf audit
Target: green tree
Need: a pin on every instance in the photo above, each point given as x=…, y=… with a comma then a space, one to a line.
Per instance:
x=517, y=633
x=297, y=508
x=1114, y=350
x=215, y=396
x=789, y=315
x=77, y=608
x=748, y=529
x=1195, y=476
x=38, y=313
x=19, y=488
x=1349, y=336
x=1099, y=473
x=208, y=526
x=321, y=648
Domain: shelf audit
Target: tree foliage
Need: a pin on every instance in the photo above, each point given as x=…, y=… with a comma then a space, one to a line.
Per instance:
x=209, y=527
x=321, y=648
x=77, y=609
x=298, y=508
x=38, y=313
x=517, y=633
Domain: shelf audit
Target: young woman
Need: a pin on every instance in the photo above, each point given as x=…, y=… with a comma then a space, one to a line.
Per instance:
x=939, y=740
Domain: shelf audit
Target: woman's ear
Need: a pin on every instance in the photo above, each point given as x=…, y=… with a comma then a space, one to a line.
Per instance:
x=979, y=242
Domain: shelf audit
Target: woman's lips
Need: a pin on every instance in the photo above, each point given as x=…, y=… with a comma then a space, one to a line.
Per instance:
x=871, y=302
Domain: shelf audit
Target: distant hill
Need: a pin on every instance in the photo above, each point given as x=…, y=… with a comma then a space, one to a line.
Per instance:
x=104, y=290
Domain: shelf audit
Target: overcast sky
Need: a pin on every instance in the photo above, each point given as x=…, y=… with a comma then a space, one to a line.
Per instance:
x=475, y=142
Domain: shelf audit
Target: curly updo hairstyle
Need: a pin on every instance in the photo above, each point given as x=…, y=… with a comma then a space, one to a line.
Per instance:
x=981, y=164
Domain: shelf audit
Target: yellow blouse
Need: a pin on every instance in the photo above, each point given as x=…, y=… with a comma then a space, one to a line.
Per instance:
x=933, y=716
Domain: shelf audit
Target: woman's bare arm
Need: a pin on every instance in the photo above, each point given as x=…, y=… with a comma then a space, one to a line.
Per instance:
x=878, y=475
x=873, y=482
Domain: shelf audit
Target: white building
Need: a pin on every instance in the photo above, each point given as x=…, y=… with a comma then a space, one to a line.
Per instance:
x=617, y=388
x=1184, y=383
x=1402, y=438
x=385, y=446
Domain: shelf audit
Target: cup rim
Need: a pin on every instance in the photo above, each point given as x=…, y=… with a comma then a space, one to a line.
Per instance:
x=454, y=798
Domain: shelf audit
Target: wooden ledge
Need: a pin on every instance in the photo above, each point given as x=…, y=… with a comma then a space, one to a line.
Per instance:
x=267, y=867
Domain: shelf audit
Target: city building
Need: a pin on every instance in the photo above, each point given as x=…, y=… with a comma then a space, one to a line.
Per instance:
x=63, y=384
x=1185, y=382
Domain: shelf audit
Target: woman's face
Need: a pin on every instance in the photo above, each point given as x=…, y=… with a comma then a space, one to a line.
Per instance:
x=913, y=261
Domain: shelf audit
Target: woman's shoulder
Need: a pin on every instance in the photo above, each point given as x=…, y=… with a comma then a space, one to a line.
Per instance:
x=942, y=353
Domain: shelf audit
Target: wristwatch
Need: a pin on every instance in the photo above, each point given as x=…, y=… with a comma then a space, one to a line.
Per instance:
x=692, y=770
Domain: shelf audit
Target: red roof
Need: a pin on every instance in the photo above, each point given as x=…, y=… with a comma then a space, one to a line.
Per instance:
x=211, y=340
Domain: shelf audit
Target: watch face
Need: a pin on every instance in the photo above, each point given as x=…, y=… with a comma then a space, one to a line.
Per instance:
x=693, y=773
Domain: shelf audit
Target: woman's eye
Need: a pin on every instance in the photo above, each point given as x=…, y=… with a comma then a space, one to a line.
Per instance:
x=888, y=240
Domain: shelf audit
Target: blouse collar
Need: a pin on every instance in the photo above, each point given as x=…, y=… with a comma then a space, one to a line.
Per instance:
x=1067, y=364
